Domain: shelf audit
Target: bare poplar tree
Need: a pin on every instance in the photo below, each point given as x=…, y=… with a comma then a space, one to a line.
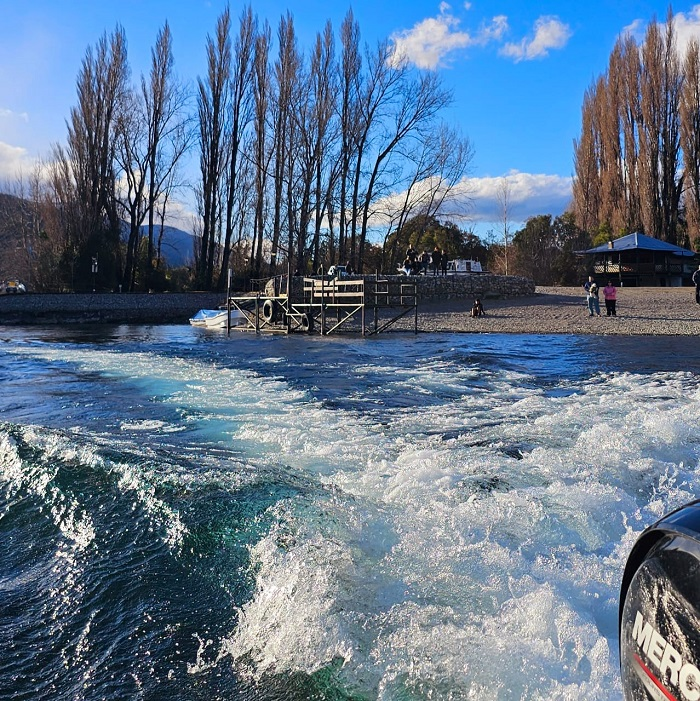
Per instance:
x=690, y=137
x=259, y=147
x=323, y=72
x=609, y=98
x=212, y=104
x=313, y=119
x=586, y=185
x=659, y=135
x=241, y=106
x=350, y=71
x=131, y=158
x=165, y=101
x=630, y=113
x=102, y=85
x=286, y=77
x=503, y=197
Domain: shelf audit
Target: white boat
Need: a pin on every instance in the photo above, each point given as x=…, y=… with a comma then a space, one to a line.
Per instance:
x=216, y=318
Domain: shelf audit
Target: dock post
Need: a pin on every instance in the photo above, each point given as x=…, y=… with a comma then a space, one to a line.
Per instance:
x=323, y=303
x=415, y=306
x=228, y=304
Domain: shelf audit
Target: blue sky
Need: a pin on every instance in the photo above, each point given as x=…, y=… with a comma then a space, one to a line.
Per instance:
x=518, y=71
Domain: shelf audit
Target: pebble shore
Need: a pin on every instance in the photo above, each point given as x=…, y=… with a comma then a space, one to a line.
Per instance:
x=641, y=311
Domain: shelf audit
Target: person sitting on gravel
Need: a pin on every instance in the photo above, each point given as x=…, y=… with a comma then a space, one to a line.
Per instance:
x=478, y=308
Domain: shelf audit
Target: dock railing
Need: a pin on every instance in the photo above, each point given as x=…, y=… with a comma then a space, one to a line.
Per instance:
x=328, y=305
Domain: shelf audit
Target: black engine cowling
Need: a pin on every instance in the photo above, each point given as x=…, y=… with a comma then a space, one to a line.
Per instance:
x=659, y=620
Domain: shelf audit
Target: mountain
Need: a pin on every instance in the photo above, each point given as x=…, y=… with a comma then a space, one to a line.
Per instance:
x=177, y=247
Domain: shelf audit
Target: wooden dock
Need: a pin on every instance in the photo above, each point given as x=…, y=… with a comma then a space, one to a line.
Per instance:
x=326, y=306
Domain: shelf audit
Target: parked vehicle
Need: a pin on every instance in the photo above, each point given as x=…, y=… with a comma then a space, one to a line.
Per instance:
x=12, y=287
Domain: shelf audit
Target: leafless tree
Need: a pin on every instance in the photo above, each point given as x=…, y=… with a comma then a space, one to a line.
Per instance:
x=503, y=197
x=350, y=69
x=212, y=104
x=313, y=121
x=287, y=69
x=586, y=185
x=435, y=183
x=131, y=159
x=628, y=158
x=165, y=102
x=241, y=106
x=102, y=88
x=260, y=152
x=690, y=137
x=660, y=132
x=419, y=101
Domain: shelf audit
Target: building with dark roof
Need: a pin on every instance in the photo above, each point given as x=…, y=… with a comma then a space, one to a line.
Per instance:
x=637, y=260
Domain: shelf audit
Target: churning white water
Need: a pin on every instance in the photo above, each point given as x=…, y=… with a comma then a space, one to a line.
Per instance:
x=460, y=509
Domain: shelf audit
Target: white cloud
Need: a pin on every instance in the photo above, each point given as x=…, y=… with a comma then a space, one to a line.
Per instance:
x=687, y=27
x=531, y=194
x=13, y=160
x=685, y=24
x=635, y=29
x=549, y=33
x=431, y=40
x=9, y=114
x=474, y=202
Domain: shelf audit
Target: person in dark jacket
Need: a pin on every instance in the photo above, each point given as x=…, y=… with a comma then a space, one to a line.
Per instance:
x=436, y=260
x=477, y=308
x=696, y=282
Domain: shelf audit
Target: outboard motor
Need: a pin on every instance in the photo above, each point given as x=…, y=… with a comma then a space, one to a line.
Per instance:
x=659, y=622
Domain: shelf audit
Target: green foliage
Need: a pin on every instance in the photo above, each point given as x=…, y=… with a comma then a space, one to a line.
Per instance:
x=603, y=235
x=545, y=250
x=424, y=234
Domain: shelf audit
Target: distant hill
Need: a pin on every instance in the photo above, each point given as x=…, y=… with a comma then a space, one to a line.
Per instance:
x=177, y=247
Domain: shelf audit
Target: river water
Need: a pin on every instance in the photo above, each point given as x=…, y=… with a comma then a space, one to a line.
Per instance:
x=189, y=516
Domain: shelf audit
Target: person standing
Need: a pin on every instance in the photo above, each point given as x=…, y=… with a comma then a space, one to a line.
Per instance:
x=593, y=301
x=425, y=261
x=610, y=294
x=586, y=286
x=443, y=261
x=436, y=260
x=696, y=282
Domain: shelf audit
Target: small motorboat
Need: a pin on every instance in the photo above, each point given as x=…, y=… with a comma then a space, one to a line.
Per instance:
x=216, y=318
x=209, y=317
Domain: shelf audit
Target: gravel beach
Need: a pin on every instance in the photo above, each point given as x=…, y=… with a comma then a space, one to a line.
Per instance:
x=641, y=311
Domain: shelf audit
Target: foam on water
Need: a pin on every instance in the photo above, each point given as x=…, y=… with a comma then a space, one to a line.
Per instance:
x=461, y=548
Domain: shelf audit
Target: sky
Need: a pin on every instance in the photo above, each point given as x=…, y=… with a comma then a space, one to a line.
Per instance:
x=518, y=72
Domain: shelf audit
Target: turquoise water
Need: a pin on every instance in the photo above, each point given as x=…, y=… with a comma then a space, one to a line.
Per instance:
x=192, y=516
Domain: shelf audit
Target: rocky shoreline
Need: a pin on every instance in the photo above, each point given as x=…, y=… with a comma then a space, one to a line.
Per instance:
x=642, y=311
x=86, y=308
